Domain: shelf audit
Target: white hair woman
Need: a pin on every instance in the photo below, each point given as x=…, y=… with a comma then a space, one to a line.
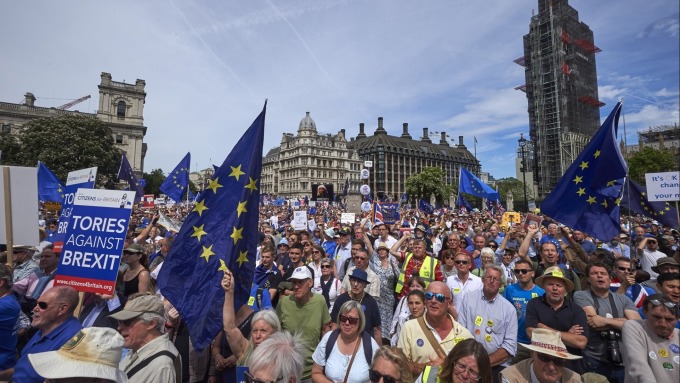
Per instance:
x=280, y=358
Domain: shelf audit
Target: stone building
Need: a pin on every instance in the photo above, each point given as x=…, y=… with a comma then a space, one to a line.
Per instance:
x=308, y=158
x=121, y=106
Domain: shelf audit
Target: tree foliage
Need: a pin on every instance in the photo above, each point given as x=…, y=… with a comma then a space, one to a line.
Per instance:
x=10, y=148
x=69, y=143
x=428, y=182
x=154, y=180
x=650, y=160
x=515, y=186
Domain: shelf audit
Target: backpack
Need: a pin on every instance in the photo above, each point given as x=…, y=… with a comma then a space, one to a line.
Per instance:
x=365, y=341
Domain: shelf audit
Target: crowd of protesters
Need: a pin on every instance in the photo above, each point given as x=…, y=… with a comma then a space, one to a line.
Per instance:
x=444, y=296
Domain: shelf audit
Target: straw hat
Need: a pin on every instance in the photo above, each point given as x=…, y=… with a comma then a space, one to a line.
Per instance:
x=555, y=272
x=549, y=342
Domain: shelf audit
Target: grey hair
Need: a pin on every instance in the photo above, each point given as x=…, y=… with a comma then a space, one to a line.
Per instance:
x=349, y=306
x=494, y=267
x=488, y=251
x=269, y=317
x=281, y=353
x=160, y=320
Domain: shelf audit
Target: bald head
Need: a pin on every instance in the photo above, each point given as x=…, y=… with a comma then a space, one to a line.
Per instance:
x=65, y=294
x=439, y=288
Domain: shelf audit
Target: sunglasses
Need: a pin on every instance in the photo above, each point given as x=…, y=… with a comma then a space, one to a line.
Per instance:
x=441, y=298
x=306, y=244
x=657, y=302
x=325, y=266
x=558, y=362
x=375, y=377
x=251, y=379
x=316, y=252
x=43, y=305
x=352, y=321
x=462, y=262
x=450, y=257
x=520, y=271
x=625, y=269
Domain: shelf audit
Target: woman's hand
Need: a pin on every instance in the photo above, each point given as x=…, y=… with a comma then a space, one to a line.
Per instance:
x=227, y=282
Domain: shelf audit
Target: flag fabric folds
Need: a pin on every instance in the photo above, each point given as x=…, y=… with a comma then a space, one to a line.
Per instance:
x=635, y=198
x=470, y=184
x=425, y=206
x=178, y=179
x=586, y=198
x=126, y=173
x=462, y=202
x=378, y=218
x=220, y=232
x=345, y=189
x=49, y=186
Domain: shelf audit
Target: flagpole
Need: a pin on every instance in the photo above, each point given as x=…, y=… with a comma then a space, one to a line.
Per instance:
x=626, y=182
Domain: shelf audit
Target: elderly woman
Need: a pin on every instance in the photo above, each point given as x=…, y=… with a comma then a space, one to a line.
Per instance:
x=448, y=264
x=488, y=257
x=468, y=362
x=390, y=365
x=387, y=269
x=345, y=359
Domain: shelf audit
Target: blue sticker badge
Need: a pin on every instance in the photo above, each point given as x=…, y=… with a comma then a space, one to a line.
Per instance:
x=675, y=348
x=420, y=343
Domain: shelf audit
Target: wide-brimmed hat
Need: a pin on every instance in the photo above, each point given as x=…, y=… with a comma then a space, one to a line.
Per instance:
x=93, y=352
x=549, y=342
x=24, y=248
x=138, y=306
x=555, y=272
x=664, y=261
x=360, y=275
x=382, y=246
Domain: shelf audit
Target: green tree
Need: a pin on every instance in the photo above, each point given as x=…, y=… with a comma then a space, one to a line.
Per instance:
x=650, y=160
x=154, y=180
x=428, y=182
x=10, y=148
x=70, y=143
x=515, y=186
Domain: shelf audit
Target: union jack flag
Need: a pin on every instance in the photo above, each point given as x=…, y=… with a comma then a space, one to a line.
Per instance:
x=377, y=214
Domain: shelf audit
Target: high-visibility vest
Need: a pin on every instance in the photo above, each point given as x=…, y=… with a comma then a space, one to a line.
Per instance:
x=430, y=374
x=427, y=271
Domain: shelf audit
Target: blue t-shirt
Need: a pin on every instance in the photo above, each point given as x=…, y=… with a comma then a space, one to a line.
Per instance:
x=9, y=315
x=519, y=298
x=23, y=371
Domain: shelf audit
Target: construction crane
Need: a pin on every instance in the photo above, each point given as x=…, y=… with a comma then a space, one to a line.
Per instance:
x=74, y=102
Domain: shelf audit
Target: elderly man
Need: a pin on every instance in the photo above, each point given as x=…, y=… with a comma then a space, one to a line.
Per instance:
x=478, y=243
x=24, y=264
x=40, y=279
x=152, y=356
x=463, y=281
x=53, y=317
x=426, y=341
x=650, y=346
x=418, y=263
x=304, y=312
x=343, y=252
x=580, y=238
x=361, y=260
x=547, y=363
x=493, y=319
x=358, y=279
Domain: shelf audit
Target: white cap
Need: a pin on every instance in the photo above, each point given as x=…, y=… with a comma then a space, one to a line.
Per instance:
x=301, y=273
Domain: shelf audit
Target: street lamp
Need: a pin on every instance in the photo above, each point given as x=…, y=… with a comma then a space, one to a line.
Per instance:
x=522, y=144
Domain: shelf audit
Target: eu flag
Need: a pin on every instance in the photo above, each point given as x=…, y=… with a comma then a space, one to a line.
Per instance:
x=345, y=189
x=586, y=198
x=126, y=173
x=220, y=232
x=177, y=180
x=49, y=186
x=635, y=198
x=462, y=202
x=470, y=184
x=425, y=207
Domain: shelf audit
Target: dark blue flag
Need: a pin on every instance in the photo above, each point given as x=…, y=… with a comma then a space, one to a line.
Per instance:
x=49, y=186
x=635, y=198
x=462, y=202
x=425, y=207
x=192, y=196
x=178, y=179
x=126, y=173
x=470, y=184
x=586, y=198
x=345, y=189
x=220, y=232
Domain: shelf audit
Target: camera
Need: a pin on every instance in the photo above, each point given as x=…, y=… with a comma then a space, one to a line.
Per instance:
x=612, y=338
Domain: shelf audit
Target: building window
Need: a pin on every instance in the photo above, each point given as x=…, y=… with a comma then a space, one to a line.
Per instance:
x=120, y=110
x=6, y=128
x=119, y=138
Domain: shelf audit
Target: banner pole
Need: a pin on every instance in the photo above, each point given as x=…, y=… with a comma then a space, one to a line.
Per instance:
x=9, y=240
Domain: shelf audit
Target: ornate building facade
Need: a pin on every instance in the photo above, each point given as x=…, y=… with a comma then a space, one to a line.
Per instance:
x=310, y=157
x=121, y=106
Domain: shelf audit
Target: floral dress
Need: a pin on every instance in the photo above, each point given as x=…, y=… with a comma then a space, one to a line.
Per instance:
x=388, y=278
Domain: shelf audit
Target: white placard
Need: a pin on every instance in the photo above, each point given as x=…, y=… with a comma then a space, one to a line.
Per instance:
x=663, y=186
x=300, y=220
x=311, y=224
x=368, y=164
x=81, y=176
x=366, y=206
x=364, y=174
x=23, y=185
x=365, y=190
x=348, y=218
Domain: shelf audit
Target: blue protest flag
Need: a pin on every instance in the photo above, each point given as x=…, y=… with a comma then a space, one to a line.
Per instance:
x=425, y=207
x=586, y=198
x=635, y=198
x=178, y=179
x=49, y=186
x=126, y=173
x=470, y=184
x=345, y=189
x=192, y=196
x=462, y=202
x=220, y=232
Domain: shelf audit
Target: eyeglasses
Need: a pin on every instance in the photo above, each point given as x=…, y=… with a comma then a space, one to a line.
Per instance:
x=360, y=258
x=458, y=262
x=325, y=266
x=316, y=252
x=43, y=305
x=352, y=321
x=460, y=368
x=626, y=269
x=558, y=362
x=354, y=281
x=441, y=298
x=251, y=379
x=520, y=271
x=375, y=377
x=450, y=257
x=657, y=302
x=492, y=279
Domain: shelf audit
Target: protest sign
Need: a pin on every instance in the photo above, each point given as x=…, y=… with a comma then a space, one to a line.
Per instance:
x=148, y=201
x=20, y=194
x=300, y=220
x=390, y=212
x=663, y=186
x=94, y=241
x=169, y=223
x=347, y=218
x=83, y=178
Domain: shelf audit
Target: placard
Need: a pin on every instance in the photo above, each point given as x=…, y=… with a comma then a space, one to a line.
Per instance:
x=663, y=186
x=365, y=174
x=348, y=218
x=300, y=220
x=94, y=241
x=83, y=178
x=390, y=212
x=368, y=164
x=23, y=187
x=148, y=201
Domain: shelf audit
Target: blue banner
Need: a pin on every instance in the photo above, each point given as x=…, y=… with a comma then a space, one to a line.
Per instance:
x=78, y=179
x=390, y=212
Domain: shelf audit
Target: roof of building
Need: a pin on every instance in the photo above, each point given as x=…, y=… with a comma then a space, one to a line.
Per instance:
x=410, y=145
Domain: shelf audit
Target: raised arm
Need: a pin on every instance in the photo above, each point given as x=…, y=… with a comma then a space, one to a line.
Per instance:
x=237, y=342
x=524, y=247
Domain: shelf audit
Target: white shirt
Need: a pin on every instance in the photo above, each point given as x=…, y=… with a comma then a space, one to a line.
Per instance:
x=459, y=289
x=336, y=365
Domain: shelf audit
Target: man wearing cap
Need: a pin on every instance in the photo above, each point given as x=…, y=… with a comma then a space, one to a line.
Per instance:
x=648, y=253
x=152, y=356
x=361, y=261
x=343, y=252
x=358, y=280
x=651, y=347
x=555, y=311
x=53, y=317
x=24, y=264
x=547, y=363
x=663, y=265
x=304, y=312
x=93, y=353
x=40, y=279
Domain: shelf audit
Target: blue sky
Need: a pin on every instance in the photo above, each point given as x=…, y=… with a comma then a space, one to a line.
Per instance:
x=446, y=65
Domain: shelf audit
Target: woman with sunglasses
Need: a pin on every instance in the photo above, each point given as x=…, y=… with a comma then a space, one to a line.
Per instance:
x=316, y=254
x=387, y=269
x=389, y=366
x=403, y=312
x=467, y=362
x=346, y=360
x=330, y=286
x=136, y=278
x=448, y=266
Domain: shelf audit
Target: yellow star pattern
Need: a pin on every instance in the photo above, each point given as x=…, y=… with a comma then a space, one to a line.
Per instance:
x=223, y=266
x=591, y=200
x=597, y=153
x=199, y=232
x=200, y=207
x=605, y=204
x=578, y=180
x=581, y=191
x=583, y=165
x=207, y=252
x=236, y=172
x=252, y=185
x=243, y=257
x=237, y=234
x=611, y=183
x=241, y=208
x=214, y=185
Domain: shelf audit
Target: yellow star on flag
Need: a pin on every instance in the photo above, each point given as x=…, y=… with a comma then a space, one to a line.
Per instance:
x=591, y=200
x=611, y=183
x=252, y=185
x=604, y=203
x=581, y=191
x=243, y=257
x=223, y=266
x=200, y=207
x=236, y=172
x=578, y=180
x=583, y=165
x=207, y=252
x=661, y=212
x=199, y=232
x=597, y=153
x=237, y=234
x=618, y=201
x=241, y=208
x=214, y=185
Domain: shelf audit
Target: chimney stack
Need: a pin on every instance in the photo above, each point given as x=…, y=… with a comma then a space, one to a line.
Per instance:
x=361, y=131
x=29, y=99
x=380, y=129
x=443, y=140
x=426, y=136
x=460, y=142
x=405, y=133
